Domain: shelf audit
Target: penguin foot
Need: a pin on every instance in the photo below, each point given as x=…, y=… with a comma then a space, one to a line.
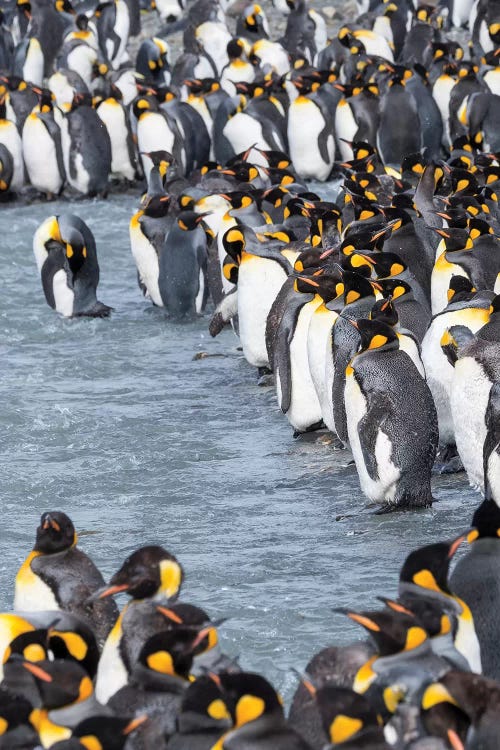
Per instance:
x=313, y=428
x=265, y=381
x=448, y=461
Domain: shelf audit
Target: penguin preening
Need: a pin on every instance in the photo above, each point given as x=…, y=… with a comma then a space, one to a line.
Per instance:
x=66, y=257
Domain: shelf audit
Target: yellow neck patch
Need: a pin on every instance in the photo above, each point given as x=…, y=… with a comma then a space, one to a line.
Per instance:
x=249, y=708
x=343, y=728
x=170, y=578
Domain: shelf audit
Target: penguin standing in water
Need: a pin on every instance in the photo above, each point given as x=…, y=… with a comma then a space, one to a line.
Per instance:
x=148, y=229
x=58, y=575
x=66, y=257
x=86, y=148
x=476, y=580
x=394, y=447
x=183, y=266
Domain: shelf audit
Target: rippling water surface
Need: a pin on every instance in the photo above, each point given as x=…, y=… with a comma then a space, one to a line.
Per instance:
x=113, y=422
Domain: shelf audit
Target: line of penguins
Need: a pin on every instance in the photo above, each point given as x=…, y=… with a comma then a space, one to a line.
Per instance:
x=76, y=111
x=376, y=316
x=77, y=673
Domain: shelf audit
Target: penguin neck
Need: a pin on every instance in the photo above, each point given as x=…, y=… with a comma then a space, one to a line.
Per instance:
x=49, y=732
x=415, y=654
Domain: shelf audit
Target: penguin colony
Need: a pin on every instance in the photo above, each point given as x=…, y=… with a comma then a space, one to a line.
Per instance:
x=75, y=673
x=376, y=314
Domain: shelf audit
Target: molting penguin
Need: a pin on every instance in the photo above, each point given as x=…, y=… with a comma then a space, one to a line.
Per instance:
x=183, y=266
x=393, y=470
x=58, y=575
x=66, y=257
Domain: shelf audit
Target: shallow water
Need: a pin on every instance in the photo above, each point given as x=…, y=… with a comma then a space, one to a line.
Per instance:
x=113, y=422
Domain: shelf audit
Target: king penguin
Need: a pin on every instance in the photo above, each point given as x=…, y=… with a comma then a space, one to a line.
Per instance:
x=66, y=257
x=58, y=575
x=394, y=470
x=476, y=580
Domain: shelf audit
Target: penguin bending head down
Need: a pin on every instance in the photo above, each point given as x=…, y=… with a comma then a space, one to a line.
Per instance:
x=66, y=256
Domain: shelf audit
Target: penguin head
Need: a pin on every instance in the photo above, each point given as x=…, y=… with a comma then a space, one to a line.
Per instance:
x=428, y=566
x=144, y=104
x=106, y=732
x=239, y=199
x=384, y=311
x=235, y=50
x=454, y=239
x=395, y=288
x=181, y=614
x=460, y=288
x=330, y=287
x=169, y=653
x=32, y=646
x=188, y=221
x=306, y=285
x=249, y=697
x=345, y=714
x=442, y=717
x=202, y=706
x=161, y=159
x=56, y=533
x=430, y=613
x=156, y=206
x=485, y=522
x=64, y=6
x=59, y=683
x=74, y=641
x=376, y=335
x=76, y=249
x=275, y=159
x=393, y=632
x=81, y=99
x=149, y=572
x=356, y=287
x=479, y=228
x=307, y=261
x=473, y=694
x=254, y=20
x=234, y=243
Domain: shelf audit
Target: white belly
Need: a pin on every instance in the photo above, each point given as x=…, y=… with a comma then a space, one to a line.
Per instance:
x=470, y=390
x=146, y=260
x=382, y=490
x=259, y=282
x=461, y=11
x=63, y=295
x=492, y=80
x=305, y=123
x=9, y=136
x=81, y=60
x=242, y=131
x=346, y=128
x=153, y=134
x=40, y=158
x=31, y=593
x=441, y=92
x=320, y=359
x=305, y=409
x=408, y=345
x=111, y=672
x=34, y=63
x=113, y=117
